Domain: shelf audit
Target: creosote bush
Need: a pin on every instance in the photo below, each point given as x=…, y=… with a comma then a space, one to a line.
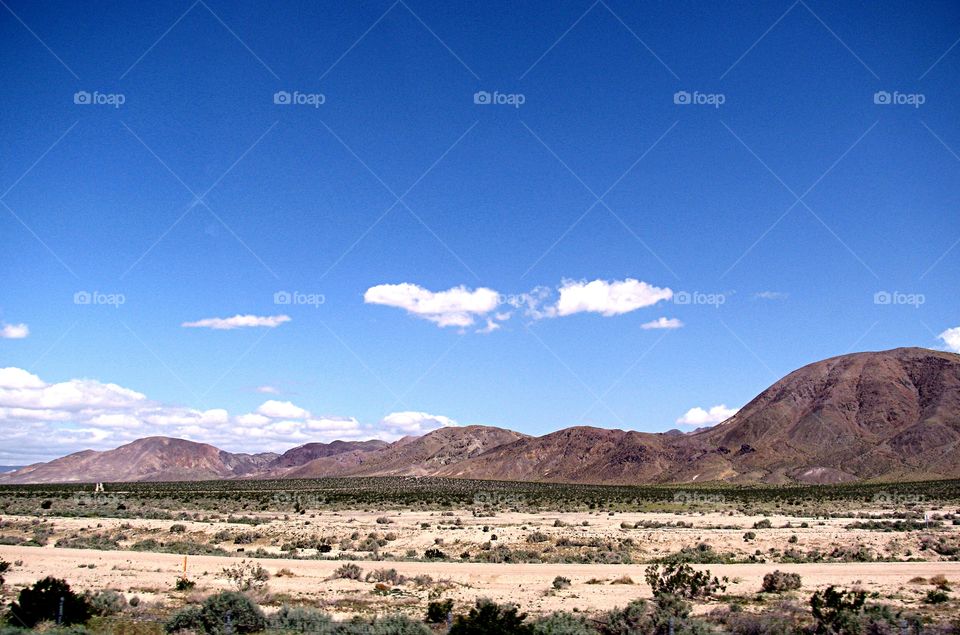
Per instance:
x=780, y=581
x=349, y=571
x=49, y=599
x=684, y=581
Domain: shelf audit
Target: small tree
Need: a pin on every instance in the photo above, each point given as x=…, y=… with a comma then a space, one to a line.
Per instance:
x=230, y=612
x=50, y=600
x=4, y=567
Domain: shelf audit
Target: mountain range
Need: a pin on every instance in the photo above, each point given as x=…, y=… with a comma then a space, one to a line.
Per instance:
x=888, y=415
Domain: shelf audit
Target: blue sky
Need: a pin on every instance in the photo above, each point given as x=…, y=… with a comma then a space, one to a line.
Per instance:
x=790, y=215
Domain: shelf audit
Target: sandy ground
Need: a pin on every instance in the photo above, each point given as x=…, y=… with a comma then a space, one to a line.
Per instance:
x=151, y=576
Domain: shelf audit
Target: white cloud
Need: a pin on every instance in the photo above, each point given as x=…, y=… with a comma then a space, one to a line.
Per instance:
x=662, y=323
x=951, y=338
x=281, y=410
x=14, y=331
x=267, y=390
x=458, y=306
x=608, y=298
x=239, y=321
x=41, y=421
x=699, y=417
x=771, y=295
x=414, y=423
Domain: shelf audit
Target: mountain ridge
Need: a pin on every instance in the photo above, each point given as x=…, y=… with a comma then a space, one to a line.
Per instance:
x=884, y=415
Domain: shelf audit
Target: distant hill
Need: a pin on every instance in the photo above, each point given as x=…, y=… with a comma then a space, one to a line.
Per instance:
x=889, y=415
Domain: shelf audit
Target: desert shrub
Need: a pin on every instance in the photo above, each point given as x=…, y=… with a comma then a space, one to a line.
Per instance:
x=4, y=567
x=683, y=580
x=397, y=624
x=667, y=614
x=186, y=620
x=231, y=612
x=434, y=554
x=561, y=582
x=439, y=611
x=489, y=617
x=247, y=576
x=383, y=520
x=348, y=571
x=763, y=524
x=750, y=535
x=386, y=575
x=837, y=610
x=783, y=619
x=538, y=536
x=780, y=581
x=624, y=579
x=106, y=602
x=302, y=620
x=699, y=554
x=936, y=596
x=178, y=528
x=49, y=599
x=184, y=583
x=563, y=624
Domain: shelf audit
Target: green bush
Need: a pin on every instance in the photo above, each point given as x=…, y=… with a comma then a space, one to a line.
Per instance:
x=837, y=610
x=106, y=602
x=489, y=617
x=397, y=625
x=437, y=612
x=49, y=599
x=563, y=624
x=189, y=620
x=303, y=620
x=779, y=581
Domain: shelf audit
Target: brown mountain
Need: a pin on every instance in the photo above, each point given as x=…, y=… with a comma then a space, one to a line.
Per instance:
x=308, y=452
x=148, y=459
x=412, y=456
x=887, y=415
